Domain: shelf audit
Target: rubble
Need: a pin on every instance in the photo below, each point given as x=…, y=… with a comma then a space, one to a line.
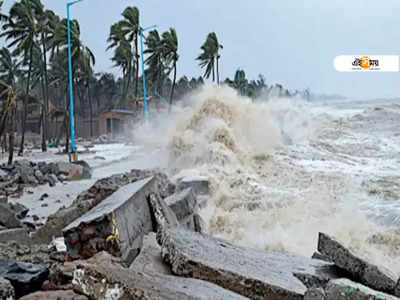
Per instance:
x=19, y=235
x=375, y=277
x=24, y=173
x=106, y=279
x=7, y=291
x=116, y=225
x=8, y=218
x=252, y=273
x=24, y=277
x=346, y=289
x=55, y=295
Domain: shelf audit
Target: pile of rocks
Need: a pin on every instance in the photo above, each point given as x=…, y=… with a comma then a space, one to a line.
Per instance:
x=140, y=241
x=24, y=173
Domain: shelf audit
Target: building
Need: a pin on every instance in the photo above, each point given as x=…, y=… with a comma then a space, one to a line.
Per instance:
x=116, y=122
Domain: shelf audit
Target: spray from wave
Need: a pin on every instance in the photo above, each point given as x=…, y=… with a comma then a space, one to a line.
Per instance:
x=262, y=197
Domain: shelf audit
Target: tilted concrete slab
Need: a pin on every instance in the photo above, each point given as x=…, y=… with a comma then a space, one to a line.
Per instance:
x=105, y=280
x=183, y=203
x=373, y=276
x=252, y=273
x=345, y=289
x=124, y=218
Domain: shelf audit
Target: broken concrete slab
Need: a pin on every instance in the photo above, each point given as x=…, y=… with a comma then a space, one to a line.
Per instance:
x=116, y=225
x=25, y=277
x=199, y=224
x=149, y=260
x=98, y=279
x=55, y=295
x=7, y=291
x=375, y=277
x=199, y=184
x=345, y=289
x=162, y=214
x=19, y=235
x=252, y=273
x=183, y=203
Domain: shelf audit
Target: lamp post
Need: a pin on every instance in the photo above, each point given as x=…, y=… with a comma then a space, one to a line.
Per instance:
x=146, y=112
x=73, y=156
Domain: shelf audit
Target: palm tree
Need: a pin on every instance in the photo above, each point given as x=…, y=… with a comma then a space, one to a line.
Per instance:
x=22, y=28
x=123, y=56
x=130, y=27
x=210, y=56
x=7, y=95
x=3, y=17
x=156, y=68
x=170, y=54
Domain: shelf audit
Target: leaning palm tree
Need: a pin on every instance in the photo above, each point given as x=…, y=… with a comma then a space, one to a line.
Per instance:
x=22, y=29
x=123, y=56
x=154, y=62
x=209, y=58
x=170, y=54
x=130, y=26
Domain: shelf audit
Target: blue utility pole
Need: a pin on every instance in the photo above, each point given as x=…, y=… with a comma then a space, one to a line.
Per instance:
x=146, y=112
x=71, y=93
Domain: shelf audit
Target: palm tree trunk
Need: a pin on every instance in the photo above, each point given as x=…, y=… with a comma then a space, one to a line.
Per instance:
x=128, y=82
x=213, y=72
x=173, y=88
x=42, y=118
x=11, y=137
x=137, y=70
x=25, y=112
x=90, y=107
x=217, y=70
x=46, y=83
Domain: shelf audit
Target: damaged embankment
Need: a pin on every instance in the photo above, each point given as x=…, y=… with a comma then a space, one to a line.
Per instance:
x=181, y=263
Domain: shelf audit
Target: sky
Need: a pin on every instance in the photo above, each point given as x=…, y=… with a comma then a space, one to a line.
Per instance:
x=290, y=42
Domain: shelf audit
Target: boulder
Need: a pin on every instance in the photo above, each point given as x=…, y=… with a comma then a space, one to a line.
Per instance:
x=116, y=225
x=7, y=291
x=19, y=209
x=39, y=176
x=375, y=277
x=344, y=289
x=51, y=179
x=87, y=171
x=108, y=280
x=252, y=273
x=8, y=218
x=19, y=235
x=55, y=295
x=25, y=277
x=315, y=293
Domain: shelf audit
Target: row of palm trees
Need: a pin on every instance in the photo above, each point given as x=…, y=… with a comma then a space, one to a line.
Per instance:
x=33, y=65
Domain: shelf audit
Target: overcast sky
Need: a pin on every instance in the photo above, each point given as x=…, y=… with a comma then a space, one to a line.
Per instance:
x=290, y=42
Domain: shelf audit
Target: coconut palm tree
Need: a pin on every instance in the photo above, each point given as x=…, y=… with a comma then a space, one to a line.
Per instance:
x=22, y=29
x=123, y=56
x=156, y=68
x=9, y=99
x=130, y=26
x=209, y=58
x=170, y=55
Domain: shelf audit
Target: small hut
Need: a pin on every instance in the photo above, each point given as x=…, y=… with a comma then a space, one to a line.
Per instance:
x=116, y=122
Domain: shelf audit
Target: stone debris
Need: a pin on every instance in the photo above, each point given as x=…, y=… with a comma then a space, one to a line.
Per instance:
x=8, y=218
x=345, y=289
x=108, y=280
x=252, y=273
x=19, y=235
x=375, y=277
x=55, y=295
x=23, y=173
x=24, y=277
x=7, y=291
x=116, y=225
